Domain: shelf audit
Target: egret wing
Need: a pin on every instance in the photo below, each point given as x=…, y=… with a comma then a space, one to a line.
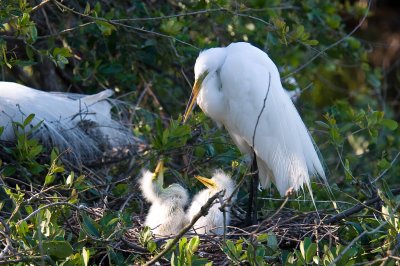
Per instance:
x=283, y=146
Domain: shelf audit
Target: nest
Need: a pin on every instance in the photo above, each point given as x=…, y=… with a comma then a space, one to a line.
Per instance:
x=288, y=229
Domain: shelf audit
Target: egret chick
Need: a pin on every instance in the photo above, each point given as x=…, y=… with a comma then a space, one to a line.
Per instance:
x=213, y=222
x=166, y=215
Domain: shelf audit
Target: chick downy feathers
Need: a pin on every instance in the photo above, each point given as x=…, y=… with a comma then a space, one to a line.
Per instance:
x=213, y=222
x=166, y=215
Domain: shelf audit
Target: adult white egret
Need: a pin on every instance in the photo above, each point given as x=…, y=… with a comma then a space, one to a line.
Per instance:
x=82, y=123
x=166, y=215
x=239, y=87
x=213, y=222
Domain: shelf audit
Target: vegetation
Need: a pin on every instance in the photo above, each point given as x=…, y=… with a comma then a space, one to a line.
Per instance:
x=55, y=214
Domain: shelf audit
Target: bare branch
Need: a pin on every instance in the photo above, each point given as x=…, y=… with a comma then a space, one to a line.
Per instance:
x=262, y=110
x=39, y=6
x=358, y=207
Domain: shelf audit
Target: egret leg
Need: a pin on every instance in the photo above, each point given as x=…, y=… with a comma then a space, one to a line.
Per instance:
x=251, y=216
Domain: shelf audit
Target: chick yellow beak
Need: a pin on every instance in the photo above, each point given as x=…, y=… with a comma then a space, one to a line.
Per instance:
x=159, y=173
x=208, y=182
x=193, y=96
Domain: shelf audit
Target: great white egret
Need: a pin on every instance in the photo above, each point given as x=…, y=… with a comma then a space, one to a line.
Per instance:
x=82, y=123
x=213, y=222
x=166, y=215
x=239, y=87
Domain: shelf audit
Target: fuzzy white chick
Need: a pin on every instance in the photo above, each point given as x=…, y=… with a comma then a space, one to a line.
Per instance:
x=166, y=215
x=213, y=222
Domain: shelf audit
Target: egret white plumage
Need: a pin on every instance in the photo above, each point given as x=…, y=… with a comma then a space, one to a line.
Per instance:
x=213, y=222
x=82, y=123
x=239, y=87
x=166, y=215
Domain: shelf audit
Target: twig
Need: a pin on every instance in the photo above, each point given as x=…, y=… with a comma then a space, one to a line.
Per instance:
x=51, y=205
x=203, y=211
x=116, y=23
x=35, y=8
x=387, y=169
x=6, y=234
x=357, y=208
x=272, y=216
x=262, y=110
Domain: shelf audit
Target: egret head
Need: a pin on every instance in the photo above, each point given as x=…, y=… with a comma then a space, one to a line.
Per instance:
x=207, y=64
x=219, y=181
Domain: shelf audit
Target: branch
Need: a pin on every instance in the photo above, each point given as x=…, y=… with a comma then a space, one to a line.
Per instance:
x=387, y=169
x=358, y=207
x=35, y=8
x=51, y=205
x=203, y=211
x=262, y=110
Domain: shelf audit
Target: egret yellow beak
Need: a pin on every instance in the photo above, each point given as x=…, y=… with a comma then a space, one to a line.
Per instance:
x=159, y=173
x=193, y=96
x=208, y=182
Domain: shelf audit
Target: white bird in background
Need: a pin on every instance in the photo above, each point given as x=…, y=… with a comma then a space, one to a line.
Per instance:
x=166, y=215
x=213, y=222
x=80, y=122
x=239, y=87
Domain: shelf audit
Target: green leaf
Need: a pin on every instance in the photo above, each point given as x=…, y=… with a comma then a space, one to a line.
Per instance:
x=87, y=8
x=90, y=226
x=310, y=252
x=151, y=246
x=389, y=123
x=105, y=27
x=272, y=241
x=28, y=119
x=193, y=244
x=49, y=179
x=59, y=249
x=65, y=52
x=262, y=237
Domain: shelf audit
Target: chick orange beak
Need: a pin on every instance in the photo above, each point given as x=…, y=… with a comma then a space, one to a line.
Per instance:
x=159, y=172
x=208, y=182
x=193, y=96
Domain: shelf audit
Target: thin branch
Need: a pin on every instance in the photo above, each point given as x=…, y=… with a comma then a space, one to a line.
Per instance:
x=272, y=216
x=117, y=23
x=51, y=205
x=387, y=169
x=262, y=110
x=358, y=207
x=39, y=6
x=203, y=211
